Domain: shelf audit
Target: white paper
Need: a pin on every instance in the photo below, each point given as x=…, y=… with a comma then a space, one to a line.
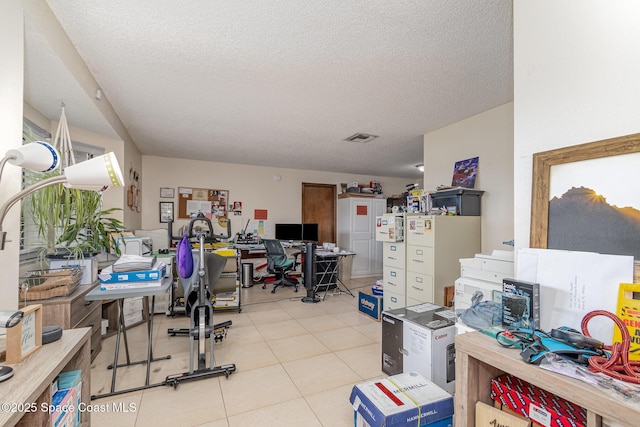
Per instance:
x=574, y=283
x=195, y=206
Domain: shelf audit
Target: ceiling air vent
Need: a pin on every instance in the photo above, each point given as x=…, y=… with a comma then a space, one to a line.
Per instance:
x=361, y=137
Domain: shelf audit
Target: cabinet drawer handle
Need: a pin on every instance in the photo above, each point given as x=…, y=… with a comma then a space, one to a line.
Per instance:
x=87, y=303
x=418, y=261
x=417, y=288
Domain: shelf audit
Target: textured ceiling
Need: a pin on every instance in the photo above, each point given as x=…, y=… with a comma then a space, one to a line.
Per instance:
x=281, y=83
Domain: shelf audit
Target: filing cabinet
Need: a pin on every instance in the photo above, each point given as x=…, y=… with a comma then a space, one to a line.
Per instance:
x=393, y=259
x=434, y=246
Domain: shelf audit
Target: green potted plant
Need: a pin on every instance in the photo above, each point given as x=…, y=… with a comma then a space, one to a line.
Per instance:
x=73, y=221
x=73, y=226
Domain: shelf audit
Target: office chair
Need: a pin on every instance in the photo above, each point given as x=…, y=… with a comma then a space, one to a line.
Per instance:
x=279, y=264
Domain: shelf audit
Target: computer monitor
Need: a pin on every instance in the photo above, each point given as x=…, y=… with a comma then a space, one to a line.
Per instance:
x=310, y=233
x=291, y=232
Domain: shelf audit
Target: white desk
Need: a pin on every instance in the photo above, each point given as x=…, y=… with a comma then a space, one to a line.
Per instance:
x=120, y=295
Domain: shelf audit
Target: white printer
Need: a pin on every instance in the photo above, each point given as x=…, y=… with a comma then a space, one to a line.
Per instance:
x=483, y=273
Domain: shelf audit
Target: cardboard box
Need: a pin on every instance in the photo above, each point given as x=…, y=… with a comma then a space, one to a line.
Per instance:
x=420, y=338
x=536, y=404
x=159, y=270
x=506, y=409
x=488, y=416
x=400, y=401
x=371, y=305
x=449, y=295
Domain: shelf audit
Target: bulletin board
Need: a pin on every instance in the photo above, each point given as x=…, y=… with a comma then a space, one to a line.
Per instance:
x=213, y=203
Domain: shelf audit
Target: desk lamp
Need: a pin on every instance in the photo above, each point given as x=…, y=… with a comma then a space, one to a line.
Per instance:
x=94, y=174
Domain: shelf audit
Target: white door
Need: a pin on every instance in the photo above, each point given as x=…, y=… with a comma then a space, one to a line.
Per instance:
x=362, y=235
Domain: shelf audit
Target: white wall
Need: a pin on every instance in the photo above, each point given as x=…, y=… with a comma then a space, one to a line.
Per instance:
x=254, y=186
x=11, y=84
x=576, y=68
x=488, y=135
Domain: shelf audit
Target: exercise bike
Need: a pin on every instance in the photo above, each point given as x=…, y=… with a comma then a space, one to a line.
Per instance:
x=200, y=310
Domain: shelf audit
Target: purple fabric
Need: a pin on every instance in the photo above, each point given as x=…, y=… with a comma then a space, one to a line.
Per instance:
x=184, y=257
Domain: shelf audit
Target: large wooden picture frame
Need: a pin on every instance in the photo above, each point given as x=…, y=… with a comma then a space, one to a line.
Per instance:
x=542, y=163
x=26, y=337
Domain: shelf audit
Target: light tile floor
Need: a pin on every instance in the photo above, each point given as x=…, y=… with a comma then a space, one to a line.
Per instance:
x=295, y=366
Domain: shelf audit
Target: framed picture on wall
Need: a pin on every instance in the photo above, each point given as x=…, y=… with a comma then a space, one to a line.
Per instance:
x=166, y=211
x=583, y=198
x=166, y=192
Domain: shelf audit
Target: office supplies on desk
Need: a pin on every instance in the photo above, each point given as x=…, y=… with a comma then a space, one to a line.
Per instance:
x=157, y=272
x=245, y=238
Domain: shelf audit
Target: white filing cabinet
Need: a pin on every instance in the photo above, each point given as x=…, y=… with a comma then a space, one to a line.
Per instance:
x=434, y=245
x=394, y=281
x=356, y=232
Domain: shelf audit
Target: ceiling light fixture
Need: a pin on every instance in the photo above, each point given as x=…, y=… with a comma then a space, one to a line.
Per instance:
x=361, y=137
x=420, y=167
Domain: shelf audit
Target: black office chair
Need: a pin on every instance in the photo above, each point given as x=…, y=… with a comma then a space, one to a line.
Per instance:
x=280, y=264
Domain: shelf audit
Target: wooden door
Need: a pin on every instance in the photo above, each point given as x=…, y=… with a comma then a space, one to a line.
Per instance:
x=319, y=206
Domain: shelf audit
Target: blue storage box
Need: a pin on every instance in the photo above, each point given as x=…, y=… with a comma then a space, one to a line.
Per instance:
x=371, y=305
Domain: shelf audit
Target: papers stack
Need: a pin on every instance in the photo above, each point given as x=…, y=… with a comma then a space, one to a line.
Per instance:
x=129, y=285
x=133, y=263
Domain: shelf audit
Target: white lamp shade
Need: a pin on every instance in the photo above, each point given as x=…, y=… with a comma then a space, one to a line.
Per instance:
x=95, y=173
x=38, y=156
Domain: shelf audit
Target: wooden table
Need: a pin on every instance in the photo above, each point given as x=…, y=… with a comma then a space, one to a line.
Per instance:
x=30, y=385
x=479, y=358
